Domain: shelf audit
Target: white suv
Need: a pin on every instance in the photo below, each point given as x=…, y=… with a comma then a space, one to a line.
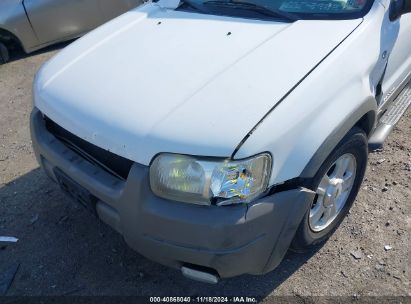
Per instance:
x=215, y=134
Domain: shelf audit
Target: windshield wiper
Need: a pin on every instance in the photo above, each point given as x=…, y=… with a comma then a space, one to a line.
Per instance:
x=193, y=5
x=252, y=7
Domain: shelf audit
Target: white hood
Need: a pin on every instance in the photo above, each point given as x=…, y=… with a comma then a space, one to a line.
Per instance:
x=157, y=80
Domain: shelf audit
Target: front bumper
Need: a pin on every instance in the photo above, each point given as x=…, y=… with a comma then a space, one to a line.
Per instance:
x=231, y=240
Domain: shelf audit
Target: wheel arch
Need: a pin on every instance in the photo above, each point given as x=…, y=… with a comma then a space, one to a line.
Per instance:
x=364, y=118
x=367, y=122
x=7, y=37
x=14, y=24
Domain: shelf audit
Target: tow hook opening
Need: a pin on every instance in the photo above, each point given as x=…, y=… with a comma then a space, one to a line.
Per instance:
x=200, y=273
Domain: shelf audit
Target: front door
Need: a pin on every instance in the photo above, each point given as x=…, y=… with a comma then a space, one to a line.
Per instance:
x=54, y=20
x=398, y=52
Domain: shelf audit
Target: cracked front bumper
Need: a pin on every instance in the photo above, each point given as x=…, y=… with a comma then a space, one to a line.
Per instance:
x=231, y=240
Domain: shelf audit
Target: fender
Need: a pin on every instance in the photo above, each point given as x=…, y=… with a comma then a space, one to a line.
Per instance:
x=315, y=116
x=13, y=20
x=364, y=116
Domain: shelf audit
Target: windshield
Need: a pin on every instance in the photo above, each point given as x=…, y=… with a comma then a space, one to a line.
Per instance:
x=289, y=10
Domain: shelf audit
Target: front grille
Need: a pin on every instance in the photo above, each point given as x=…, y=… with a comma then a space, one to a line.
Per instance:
x=112, y=163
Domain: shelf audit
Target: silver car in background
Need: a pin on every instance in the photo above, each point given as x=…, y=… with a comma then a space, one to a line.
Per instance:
x=34, y=24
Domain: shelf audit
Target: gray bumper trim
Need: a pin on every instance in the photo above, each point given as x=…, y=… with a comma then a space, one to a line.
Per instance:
x=232, y=239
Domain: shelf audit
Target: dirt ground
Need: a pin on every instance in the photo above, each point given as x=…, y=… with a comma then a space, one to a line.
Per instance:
x=62, y=250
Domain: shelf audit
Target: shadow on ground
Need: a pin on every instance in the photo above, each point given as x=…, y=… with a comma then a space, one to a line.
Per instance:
x=17, y=53
x=63, y=249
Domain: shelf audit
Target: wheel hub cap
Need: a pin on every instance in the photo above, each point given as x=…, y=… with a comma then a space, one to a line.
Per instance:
x=333, y=192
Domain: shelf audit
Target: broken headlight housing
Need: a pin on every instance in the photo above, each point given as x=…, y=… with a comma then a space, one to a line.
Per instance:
x=204, y=181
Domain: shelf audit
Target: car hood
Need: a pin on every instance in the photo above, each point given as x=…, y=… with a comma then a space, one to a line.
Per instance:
x=157, y=80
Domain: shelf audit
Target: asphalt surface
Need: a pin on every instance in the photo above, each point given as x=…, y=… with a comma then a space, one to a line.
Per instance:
x=63, y=250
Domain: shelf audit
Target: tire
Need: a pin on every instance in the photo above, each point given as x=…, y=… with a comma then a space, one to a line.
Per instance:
x=353, y=149
x=4, y=53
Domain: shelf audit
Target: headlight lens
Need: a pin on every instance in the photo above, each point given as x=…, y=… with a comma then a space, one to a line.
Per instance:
x=200, y=180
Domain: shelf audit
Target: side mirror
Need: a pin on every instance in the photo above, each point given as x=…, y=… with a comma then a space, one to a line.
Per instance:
x=398, y=8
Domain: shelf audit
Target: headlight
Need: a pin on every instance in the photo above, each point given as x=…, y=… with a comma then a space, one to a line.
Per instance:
x=203, y=180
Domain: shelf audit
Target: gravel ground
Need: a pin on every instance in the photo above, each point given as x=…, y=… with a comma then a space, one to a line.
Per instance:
x=62, y=250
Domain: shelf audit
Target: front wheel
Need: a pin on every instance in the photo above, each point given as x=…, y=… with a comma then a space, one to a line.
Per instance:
x=336, y=184
x=4, y=53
